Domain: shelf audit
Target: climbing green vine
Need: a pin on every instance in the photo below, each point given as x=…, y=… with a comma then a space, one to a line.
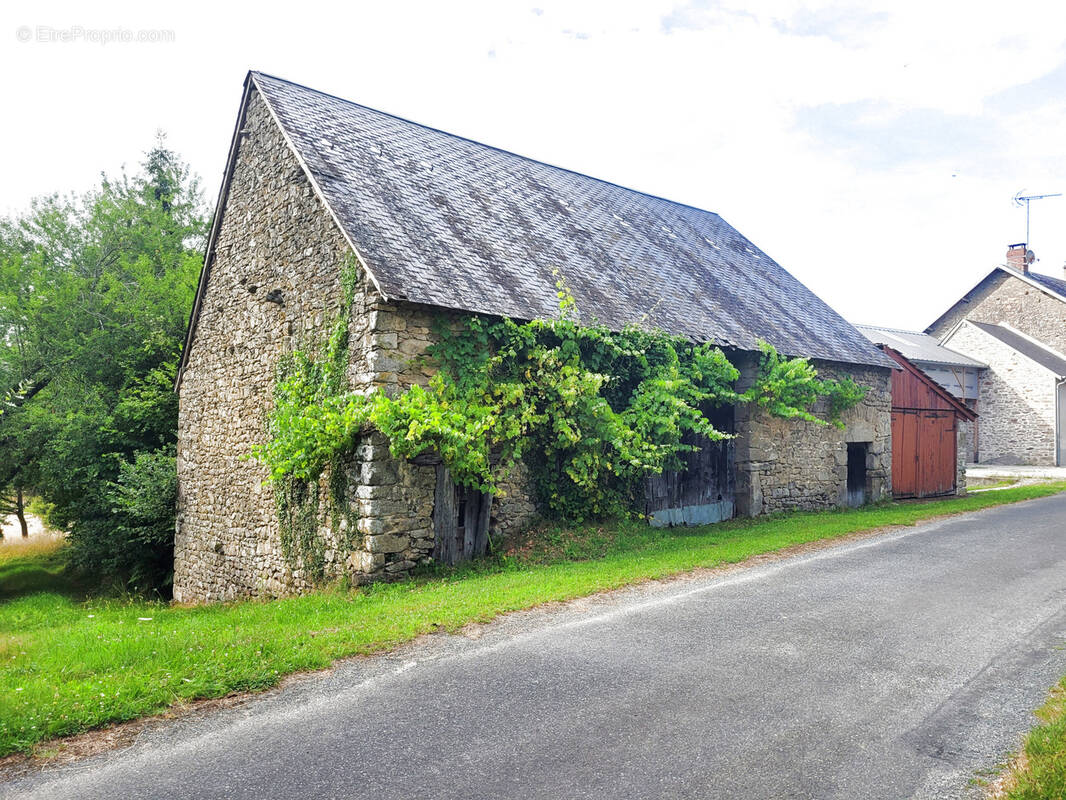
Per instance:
x=309, y=391
x=592, y=412
x=789, y=387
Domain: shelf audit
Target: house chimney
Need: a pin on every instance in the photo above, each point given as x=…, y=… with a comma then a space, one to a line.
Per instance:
x=1019, y=257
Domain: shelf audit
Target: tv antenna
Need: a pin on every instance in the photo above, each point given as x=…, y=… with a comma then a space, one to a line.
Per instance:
x=1023, y=200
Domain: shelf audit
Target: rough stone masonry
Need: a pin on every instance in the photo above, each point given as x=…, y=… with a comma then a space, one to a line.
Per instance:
x=274, y=286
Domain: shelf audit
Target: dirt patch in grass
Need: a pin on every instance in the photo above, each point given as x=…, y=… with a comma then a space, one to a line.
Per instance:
x=1007, y=781
x=67, y=750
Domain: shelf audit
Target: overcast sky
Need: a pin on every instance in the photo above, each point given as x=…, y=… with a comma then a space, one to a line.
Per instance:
x=872, y=150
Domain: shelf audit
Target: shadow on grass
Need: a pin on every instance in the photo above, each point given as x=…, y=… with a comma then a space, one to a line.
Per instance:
x=32, y=572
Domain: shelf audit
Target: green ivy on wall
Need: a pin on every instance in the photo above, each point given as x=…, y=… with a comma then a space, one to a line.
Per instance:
x=591, y=411
x=306, y=386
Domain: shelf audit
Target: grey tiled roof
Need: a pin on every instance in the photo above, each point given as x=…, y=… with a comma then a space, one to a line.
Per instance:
x=1053, y=286
x=919, y=347
x=446, y=221
x=1027, y=347
x=1057, y=285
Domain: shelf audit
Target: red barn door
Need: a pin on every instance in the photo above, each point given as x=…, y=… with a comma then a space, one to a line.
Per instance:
x=923, y=453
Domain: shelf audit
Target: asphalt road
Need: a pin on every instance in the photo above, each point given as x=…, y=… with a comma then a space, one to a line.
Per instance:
x=889, y=667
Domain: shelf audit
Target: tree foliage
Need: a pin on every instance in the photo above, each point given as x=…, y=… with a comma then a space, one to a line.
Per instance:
x=95, y=292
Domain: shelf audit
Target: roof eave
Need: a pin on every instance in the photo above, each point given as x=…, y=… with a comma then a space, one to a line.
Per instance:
x=909, y=366
x=216, y=224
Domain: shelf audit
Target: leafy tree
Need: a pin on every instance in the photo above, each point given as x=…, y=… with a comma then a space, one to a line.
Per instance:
x=95, y=293
x=13, y=503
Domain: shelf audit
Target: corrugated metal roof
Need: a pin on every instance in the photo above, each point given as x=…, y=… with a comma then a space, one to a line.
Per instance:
x=1027, y=347
x=916, y=346
x=446, y=221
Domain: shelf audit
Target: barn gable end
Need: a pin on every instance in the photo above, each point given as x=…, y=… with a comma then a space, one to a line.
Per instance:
x=274, y=277
x=271, y=285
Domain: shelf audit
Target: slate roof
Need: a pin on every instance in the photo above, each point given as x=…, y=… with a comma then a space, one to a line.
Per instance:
x=1056, y=285
x=920, y=347
x=446, y=221
x=1053, y=286
x=1027, y=347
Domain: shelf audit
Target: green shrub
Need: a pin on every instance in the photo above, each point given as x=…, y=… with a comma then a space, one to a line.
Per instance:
x=133, y=549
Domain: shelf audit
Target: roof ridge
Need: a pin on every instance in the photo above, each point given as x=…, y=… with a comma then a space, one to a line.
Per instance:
x=484, y=231
x=489, y=146
x=1026, y=336
x=893, y=330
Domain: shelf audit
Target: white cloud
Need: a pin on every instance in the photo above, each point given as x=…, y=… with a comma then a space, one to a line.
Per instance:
x=828, y=133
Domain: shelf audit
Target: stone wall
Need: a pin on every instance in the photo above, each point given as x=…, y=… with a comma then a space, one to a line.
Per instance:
x=274, y=287
x=785, y=464
x=1005, y=298
x=963, y=441
x=1016, y=402
x=396, y=496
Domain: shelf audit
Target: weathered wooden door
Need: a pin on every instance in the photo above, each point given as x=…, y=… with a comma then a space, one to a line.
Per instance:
x=936, y=448
x=856, y=481
x=461, y=519
x=905, y=453
x=923, y=453
x=704, y=491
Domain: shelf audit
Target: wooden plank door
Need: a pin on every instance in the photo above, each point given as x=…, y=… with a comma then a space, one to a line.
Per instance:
x=461, y=519
x=937, y=451
x=904, y=453
x=924, y=448
x=704, y=490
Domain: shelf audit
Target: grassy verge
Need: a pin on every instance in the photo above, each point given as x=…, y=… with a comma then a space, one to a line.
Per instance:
x=36, y=565
x=67, y=665
x=1040, y=772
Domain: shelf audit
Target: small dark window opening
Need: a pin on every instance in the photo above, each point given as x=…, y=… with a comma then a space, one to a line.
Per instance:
x=856, y=473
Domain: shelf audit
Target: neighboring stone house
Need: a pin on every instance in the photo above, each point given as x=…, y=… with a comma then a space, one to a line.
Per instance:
x=1014, y=321
x=440, y=226
x=1021, y=394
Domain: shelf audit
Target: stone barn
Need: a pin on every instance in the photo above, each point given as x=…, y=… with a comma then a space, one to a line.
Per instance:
x=440, y=225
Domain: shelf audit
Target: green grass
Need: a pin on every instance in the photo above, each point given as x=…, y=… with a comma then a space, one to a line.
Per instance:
x=1041, y=774
x=34, y=566
x=68, y=665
